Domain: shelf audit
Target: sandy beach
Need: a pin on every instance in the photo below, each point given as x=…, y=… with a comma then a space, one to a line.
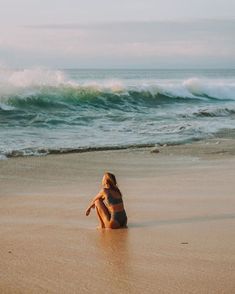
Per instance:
x=180, y=205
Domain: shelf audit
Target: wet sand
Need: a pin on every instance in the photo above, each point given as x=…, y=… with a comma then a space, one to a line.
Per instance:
x=180, y=204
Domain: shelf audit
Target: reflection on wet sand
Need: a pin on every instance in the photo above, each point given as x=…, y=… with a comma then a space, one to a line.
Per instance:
x=114, y=247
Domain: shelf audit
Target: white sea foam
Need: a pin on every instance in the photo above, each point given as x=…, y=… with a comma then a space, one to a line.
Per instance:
x=213, y=88
x=6, y=107
x=26, y=82
x=31, y=77
x=3, y=157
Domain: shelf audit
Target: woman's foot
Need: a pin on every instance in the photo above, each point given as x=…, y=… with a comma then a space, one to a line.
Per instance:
x=100, y=228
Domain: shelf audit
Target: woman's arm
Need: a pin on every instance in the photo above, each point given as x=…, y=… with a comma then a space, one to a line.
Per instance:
x=92, y=205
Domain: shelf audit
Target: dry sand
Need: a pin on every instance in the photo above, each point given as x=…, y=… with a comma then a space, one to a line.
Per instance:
x=181, y=208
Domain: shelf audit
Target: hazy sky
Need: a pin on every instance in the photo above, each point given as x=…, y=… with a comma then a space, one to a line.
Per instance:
x=111, y=33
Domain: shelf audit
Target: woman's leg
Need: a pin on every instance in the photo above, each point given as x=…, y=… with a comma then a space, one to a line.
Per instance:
x=102, y=225
x=102, y=213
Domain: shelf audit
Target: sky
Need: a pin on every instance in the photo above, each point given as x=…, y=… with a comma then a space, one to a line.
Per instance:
x=117, y=34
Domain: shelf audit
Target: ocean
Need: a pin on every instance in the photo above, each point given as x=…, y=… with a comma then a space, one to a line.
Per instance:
x=57, y=111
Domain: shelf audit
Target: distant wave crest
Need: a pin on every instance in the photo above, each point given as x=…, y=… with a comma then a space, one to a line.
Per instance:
x=48, y=89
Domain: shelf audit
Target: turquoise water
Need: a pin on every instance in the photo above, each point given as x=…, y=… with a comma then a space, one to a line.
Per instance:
x=43, y=111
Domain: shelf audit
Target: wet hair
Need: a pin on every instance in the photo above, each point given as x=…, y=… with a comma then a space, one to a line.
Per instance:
x=111, y=180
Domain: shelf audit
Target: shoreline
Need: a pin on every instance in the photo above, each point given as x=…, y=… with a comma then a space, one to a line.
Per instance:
x=216, y=145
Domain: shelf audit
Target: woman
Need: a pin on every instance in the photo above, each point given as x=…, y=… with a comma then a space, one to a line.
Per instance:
x=109, y=204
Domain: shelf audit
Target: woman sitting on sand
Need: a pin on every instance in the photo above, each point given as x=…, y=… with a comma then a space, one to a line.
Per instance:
x=109, y=204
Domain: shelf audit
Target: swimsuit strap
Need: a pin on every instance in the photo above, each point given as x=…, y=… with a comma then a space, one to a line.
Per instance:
x=113, y=200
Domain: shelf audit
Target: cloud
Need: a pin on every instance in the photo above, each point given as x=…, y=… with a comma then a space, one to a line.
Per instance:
x=128, y=41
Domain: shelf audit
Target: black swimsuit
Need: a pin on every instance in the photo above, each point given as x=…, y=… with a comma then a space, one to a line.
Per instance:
x=119, y=216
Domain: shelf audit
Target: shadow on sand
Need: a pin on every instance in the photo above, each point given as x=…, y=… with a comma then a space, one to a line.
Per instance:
x=194, y=219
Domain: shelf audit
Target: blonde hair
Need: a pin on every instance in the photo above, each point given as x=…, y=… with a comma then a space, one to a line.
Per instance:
x=111, y=180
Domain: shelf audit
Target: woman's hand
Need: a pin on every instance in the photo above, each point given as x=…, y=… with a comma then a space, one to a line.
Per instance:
x=88, y=211
x=98, y=196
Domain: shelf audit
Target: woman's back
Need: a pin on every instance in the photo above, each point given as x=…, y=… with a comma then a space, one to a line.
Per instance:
x=113, y=197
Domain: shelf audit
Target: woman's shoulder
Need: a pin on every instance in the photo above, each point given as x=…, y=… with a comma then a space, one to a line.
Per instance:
x=104, y=191
x=111, y=192
x=101, y=192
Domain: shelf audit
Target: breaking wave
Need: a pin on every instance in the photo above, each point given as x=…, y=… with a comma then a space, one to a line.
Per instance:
x=48, y=89
x=47, y=112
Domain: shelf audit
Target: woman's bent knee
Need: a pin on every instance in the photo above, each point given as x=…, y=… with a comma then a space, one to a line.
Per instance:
x=98, y=202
